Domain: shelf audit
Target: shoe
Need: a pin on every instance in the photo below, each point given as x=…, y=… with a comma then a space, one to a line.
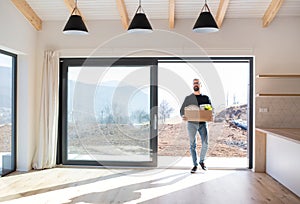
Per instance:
x=194, y=169
x=203, y=166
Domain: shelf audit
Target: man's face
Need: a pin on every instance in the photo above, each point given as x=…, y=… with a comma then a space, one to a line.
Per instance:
x=196, y=85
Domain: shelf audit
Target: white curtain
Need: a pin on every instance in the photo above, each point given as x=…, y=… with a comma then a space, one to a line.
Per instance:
x=45, y=153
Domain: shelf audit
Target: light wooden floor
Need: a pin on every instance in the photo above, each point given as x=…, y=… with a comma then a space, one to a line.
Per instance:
x=83, y=185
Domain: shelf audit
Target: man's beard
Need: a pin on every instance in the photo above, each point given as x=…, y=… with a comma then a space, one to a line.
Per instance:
x=196, y=88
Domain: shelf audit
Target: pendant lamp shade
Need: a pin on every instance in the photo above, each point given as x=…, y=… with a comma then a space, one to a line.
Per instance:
x=139, y=23
x=75, y=24
x=205, y=22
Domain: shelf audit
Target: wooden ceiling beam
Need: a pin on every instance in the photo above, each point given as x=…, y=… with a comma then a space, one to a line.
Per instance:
x=29, y=13
x=123, y=13
x=223, y=5
x=271, y=12
x=171, y=13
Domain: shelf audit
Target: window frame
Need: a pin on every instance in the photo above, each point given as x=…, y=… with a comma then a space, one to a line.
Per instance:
x=62, y=134
x=214, y=59
x=13, y=112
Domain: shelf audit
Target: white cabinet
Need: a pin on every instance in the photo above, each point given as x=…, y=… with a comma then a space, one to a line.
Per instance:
x=282, y=161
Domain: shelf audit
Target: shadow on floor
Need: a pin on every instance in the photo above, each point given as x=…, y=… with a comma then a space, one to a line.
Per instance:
x=125, y=193
x=58, y=187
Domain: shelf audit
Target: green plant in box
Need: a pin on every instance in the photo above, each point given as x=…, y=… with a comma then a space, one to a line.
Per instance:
x=207, y=107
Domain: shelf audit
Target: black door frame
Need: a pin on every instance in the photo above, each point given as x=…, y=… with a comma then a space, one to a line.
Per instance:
x=13, y=113
x=65, y=62
x=102, y=62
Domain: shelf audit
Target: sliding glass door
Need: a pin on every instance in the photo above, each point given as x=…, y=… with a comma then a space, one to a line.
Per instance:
x=108, y=112
x=120, y=112
x=7, y=112
x=228, y=81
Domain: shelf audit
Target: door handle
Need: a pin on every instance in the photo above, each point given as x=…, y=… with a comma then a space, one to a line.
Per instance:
x=155, y=121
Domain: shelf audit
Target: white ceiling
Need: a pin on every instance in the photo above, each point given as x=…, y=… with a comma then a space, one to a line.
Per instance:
x=49, y=10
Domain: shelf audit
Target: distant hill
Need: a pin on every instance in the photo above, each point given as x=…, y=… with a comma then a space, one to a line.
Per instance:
x=108, y=98
x=232, y=113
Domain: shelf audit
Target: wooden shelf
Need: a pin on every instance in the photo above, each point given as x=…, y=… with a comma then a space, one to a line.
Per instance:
x=278, y=76
x=277, y=94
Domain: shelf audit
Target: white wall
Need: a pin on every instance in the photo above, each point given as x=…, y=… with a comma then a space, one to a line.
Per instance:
x=275, y=47
x=19, y=37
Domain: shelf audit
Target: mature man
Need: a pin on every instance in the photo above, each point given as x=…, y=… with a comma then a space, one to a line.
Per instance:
x=196, y=98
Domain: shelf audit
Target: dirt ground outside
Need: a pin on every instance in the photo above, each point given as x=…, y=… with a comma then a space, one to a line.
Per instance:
x=224, y=140
x=5, y=138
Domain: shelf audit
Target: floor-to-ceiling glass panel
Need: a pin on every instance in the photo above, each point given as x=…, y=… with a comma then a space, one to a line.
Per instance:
x=227, y=84
x=108, y=114
x=7, y=157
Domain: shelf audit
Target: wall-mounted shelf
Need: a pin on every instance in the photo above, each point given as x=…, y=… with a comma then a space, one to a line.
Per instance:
x=278, y=76
x=276, y=94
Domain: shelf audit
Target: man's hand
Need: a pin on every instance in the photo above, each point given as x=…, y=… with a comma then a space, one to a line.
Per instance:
x=184, y=118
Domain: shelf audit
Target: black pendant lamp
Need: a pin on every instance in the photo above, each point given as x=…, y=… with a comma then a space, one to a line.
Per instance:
x=205, y=22
x=75, y=24
x=139, y=23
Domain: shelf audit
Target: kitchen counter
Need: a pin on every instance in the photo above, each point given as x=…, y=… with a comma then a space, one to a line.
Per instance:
x=286, y=133
x=279, y=149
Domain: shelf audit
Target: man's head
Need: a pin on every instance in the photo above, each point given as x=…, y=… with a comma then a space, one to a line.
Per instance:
x=196, y=84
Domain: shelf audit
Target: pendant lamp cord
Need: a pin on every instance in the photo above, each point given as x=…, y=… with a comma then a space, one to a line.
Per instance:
x=140, y=8
x=205, y=7
x=75, y=8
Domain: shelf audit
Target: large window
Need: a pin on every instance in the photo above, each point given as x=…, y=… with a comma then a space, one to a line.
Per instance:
x=7, y=112
x=108, y=112
x=125, y=112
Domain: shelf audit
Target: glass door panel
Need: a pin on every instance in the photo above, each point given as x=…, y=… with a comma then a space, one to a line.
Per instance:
x=7, y=111
x=227, y=84
x=109, y=115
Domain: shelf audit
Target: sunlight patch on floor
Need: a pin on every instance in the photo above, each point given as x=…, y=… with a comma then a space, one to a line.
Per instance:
x=102, y=185
x=177, y=183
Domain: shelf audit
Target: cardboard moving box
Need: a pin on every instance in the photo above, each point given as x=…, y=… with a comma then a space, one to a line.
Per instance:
x=198, y=115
